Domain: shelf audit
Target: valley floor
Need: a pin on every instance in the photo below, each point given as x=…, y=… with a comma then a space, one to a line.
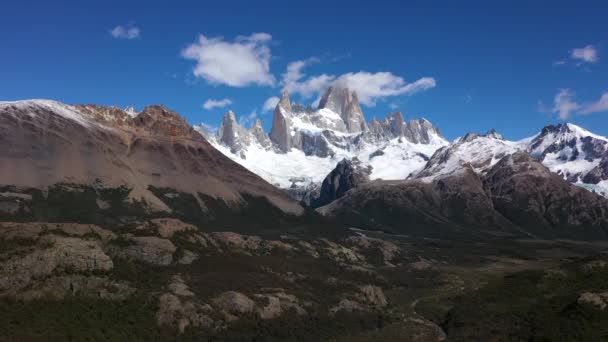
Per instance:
x=163, y=279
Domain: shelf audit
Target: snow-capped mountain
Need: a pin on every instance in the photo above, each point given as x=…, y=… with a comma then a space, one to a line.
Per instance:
x=578, y=155
x=479, y=152
x=305, y=144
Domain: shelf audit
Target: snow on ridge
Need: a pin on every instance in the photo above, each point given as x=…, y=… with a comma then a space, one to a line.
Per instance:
x=61, y=109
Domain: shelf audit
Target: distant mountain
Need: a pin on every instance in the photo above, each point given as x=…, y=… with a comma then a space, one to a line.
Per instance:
x=305, y=144
x=514, y=197
x=576, y=154
x=109, y=159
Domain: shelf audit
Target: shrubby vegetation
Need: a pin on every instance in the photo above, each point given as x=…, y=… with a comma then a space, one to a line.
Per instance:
x=533, y=306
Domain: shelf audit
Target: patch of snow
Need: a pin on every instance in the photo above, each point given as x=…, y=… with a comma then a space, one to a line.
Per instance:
x=66, y=111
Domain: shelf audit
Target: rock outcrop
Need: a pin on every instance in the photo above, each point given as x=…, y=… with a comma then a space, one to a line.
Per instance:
x=280, y=133
x=347, y=175
x=343, y=101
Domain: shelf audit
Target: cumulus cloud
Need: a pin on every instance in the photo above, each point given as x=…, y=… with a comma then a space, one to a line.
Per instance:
x=211, y=103
x=125, y=32
x=600, y=105
x=293, y=79
x=270, y=104
x=587, y=54
x=373, y=86
x=239, y=63
x=564, y=104
x=369, y=86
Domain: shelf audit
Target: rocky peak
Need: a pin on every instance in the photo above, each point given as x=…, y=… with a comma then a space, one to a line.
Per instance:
x=280, y=133
x=421, y=131
x=257, y=131
x=284, y=102
x=347, y=175
x=231, y=133
x=344, y=102
x=396, y=123
x=160, y=120
x=494, y=134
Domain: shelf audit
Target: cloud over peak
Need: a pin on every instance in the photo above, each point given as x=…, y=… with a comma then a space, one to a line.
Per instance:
x=372, y=86
x=564, y=104
x=239, y=63
x=369, y=86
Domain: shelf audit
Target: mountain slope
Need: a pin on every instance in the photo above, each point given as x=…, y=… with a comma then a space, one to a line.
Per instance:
x=155, y=154
x=517, y=197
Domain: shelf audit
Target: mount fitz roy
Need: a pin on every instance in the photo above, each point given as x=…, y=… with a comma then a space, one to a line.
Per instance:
x=304, y=146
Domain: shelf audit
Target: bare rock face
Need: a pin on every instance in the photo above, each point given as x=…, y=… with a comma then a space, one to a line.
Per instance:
x=149, y=249
x=593, y=298
x=235, y=303
x=373, y=295
x=598, y=173
x=347, y=175
x=260, y=136
x=277, y=303
x=343, y=101
x=419, y=131
x=281, y=124
x=232, y=134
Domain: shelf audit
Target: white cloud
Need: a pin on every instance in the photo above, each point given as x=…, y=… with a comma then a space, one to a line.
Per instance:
x=211, y=103
x=373, y=86
x=600, y=105
x=369, y=86
x=587, y=54
x=563, y=104
x=293, y=83
x=125, y=32
x=240, y=63
x=270, y=104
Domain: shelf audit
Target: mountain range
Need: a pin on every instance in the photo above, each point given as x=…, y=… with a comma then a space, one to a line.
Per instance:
x=304, y=145
x=117, y=224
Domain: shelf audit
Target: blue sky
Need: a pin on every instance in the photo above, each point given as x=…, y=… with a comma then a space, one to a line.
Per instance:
x=465, y=65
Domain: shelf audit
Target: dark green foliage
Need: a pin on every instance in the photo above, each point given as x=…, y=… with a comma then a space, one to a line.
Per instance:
x=80, y=319
x=532, y=306
x=252, y=215
x=76, y=203
x=291, y=327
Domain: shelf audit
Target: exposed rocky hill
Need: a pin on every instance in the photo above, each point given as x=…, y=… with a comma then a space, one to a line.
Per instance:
x=154, y=159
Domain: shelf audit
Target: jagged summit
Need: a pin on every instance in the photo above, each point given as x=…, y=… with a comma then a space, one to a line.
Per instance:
x=305, y=144
x=344, y=102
